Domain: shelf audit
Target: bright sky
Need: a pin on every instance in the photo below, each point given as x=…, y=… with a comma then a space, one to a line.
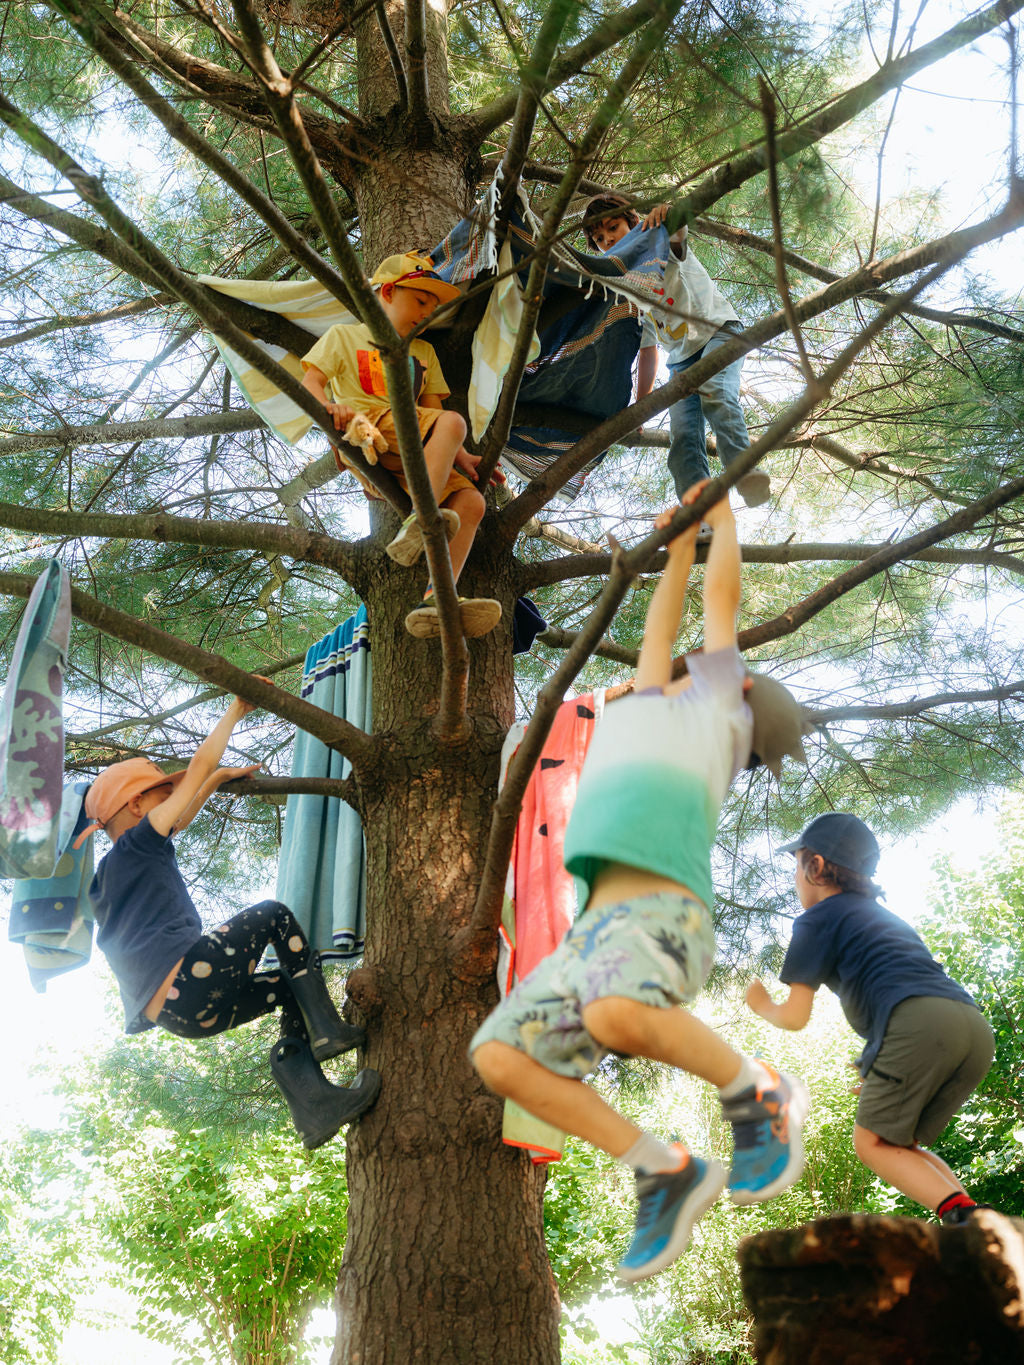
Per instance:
x=942, y=135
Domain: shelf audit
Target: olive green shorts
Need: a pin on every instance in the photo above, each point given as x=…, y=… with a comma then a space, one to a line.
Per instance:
x=935, y=1054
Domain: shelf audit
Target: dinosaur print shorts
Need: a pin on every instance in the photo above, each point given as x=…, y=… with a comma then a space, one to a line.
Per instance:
x=656, y=949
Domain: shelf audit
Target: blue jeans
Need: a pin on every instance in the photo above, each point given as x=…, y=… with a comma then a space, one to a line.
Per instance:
x=716, y=401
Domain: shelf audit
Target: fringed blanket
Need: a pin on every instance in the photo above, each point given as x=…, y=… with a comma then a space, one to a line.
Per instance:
x=582, y=362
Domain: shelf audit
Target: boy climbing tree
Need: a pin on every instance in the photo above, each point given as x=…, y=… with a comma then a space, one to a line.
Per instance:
x=174, y=976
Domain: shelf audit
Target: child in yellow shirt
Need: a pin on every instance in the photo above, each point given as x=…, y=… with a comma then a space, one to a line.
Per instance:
x=347, y=360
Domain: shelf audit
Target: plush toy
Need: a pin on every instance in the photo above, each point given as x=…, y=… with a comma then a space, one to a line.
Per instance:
x=362, y=433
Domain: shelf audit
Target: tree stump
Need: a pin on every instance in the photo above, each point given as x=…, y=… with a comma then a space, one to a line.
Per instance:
x=865, y=1290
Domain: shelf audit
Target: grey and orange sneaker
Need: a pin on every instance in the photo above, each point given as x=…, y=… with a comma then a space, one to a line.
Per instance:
x=670, y=1202
x=767, y=1128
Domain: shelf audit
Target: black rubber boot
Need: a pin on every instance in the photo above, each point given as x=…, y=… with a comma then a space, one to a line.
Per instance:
x=318, y=1108
x=329, y=1035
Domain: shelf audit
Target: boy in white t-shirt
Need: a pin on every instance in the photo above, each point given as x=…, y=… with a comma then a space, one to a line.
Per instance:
x=697, y=319
x=639, y=843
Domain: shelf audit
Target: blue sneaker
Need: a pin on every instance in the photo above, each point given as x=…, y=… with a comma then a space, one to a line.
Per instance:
x=768, y=1149
x=670, y=1202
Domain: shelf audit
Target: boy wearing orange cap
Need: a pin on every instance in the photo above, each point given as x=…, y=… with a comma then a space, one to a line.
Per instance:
x=347, y=359
x=195, y=984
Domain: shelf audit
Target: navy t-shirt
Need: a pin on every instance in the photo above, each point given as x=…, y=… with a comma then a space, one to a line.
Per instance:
x=145, y=915
x=870, y=958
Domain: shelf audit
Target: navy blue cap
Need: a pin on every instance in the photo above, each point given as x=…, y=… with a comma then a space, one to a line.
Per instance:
x=841, y=839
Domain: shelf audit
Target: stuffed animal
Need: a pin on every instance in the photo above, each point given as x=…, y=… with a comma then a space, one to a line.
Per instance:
x=362, y=433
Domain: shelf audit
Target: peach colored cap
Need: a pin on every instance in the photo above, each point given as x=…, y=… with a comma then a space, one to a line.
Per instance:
x=116, y=786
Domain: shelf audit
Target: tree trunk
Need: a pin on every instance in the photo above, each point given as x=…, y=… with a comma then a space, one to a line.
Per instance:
x=445, y=1257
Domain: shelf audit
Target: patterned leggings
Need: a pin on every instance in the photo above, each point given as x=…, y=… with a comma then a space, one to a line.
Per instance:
x=218, y=987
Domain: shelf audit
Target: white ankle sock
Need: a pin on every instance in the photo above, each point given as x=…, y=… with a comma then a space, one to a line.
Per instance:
x=649, y=1154
x=751, y=1073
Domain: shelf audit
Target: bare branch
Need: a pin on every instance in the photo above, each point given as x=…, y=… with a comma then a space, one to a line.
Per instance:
x=116, y=314
x=905, y=710
x=768, y=108
x=530, y=576
x=120, y=433
x=416, y=52
x=393, y=55
x=736, y=171
x=740, y=237
x=269, y=536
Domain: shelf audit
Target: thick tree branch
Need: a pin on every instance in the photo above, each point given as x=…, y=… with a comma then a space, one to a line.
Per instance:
x=121, y=433
x=416, y=56
x=264, y=536
x=741, y=237
x=61, y=324
x=357, y=746
x=394, y=56
x=537, y=575
x=897, y=710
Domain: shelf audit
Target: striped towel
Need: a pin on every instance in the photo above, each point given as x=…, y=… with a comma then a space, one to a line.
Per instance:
x=321, y=874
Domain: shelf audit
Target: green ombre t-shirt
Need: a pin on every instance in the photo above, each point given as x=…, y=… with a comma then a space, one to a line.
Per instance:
x=655, y=777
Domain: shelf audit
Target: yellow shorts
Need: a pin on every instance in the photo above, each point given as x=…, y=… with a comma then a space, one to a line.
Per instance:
x=390, y=460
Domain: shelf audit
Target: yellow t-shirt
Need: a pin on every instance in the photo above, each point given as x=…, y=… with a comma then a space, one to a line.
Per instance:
x=348, y=356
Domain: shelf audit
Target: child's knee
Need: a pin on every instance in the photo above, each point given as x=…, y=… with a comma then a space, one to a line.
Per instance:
x=450, y=426
x=617, y=1024
x=497, y=1065
x=469, y=504
x=865, y=1142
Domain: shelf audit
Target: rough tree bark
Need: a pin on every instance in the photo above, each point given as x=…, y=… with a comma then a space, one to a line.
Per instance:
x=887, y=1291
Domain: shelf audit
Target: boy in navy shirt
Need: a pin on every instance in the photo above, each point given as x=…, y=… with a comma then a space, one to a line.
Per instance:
x=928, y=1046
x=194, y=984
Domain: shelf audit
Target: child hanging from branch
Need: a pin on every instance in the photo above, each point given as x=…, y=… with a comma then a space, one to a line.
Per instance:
x=639, y=843
x=347, y=359
x=928, y=1046
x=194, y=984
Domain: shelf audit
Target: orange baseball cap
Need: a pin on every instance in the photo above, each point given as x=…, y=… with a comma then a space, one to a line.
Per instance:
x=414, y=271
x=116, y=786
